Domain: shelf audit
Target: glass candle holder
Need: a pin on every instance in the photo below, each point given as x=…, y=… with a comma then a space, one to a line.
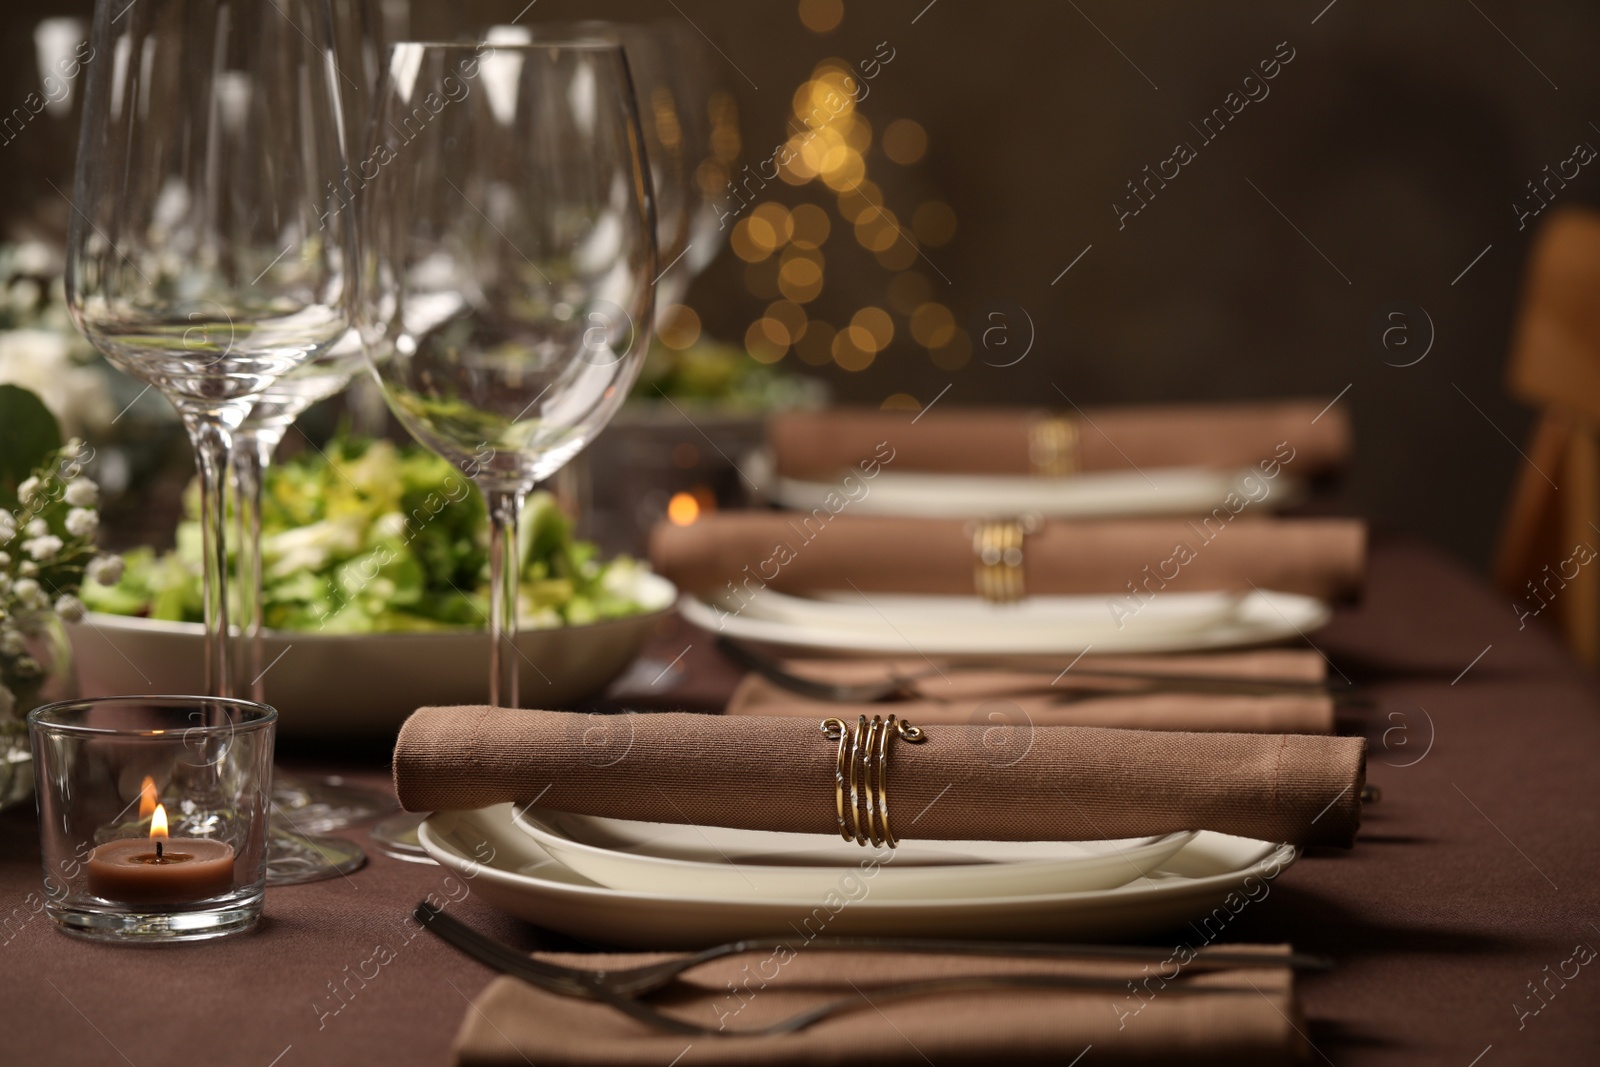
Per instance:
x=153, y=814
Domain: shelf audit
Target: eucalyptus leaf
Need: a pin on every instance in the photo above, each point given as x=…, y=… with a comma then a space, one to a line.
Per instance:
x=29, y=435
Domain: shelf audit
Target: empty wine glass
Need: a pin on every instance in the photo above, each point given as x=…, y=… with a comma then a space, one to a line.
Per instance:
x=305, y=806
x=206, y=256
x=507, y=253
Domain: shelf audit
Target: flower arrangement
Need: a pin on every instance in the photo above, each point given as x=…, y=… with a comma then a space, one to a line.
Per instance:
x=39, y=349
x=48, y=523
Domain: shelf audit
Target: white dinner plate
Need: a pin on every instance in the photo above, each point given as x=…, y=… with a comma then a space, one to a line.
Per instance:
x=509, y=870
x=1099, y=494
x=369, y=683
x=901, y=624
x=717, y=862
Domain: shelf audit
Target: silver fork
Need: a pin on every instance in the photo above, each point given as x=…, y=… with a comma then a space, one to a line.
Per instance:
x=623, y=989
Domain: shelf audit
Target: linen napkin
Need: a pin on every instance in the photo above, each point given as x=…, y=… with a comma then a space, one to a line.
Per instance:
x=1306, y=437
x=1010, y=701
x=1134, y=558
x=1254, y=1022
x=765, y=773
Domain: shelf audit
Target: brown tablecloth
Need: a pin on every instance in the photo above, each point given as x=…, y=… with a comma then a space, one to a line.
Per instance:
x=1477, y=874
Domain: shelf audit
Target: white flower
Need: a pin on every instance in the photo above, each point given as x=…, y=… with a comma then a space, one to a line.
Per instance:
x=37, y=528
x=5, y=559
x=8, y=528
x=82, y=493
x=82, y=522
x=27, y=568
x=105, y=570
x=43, y=548
x=27, y=489
x=5, y=584
x=69, y=608
x=26, y=589
x=35, y=257
x=12, y=643
x=41, y=361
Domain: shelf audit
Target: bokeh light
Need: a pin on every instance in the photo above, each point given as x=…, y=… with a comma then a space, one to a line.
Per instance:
x=904, y=141
x=849, y=353
x=876, y=324
x=900, y=402
x=680, y=327
x=682, y=509
x=791, y=315
x=766, y=340
x=810, y=226
x=821, y=16
x=932, y=325
x=800, y=277
x=954, y=353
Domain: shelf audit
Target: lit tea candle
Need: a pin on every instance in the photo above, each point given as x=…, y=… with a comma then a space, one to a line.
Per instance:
x=160, y=869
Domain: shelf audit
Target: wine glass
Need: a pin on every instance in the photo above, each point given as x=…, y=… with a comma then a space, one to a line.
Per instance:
x=507, y=254
x=306, y=806
x=206, y=255
x=667, y=116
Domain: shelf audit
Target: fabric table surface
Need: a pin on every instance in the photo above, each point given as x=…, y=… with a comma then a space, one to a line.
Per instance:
x=1462, y=923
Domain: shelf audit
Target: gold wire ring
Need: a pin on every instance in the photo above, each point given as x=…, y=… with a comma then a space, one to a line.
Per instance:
x=865, y=751
x=836, y=730
x=855, y=801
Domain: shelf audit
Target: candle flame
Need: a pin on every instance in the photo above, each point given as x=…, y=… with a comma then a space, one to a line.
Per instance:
x=683, y=509
x=147, y=797
x=158, y=821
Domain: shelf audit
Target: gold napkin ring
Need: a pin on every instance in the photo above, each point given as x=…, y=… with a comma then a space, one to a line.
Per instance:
x=1053, y=445
x=861, y=775
x=997, y=550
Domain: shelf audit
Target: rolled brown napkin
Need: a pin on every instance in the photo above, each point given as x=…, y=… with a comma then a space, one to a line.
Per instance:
x=1013, y=702
x=755, y=772
x=1305, y=437
x=1145, y=1020
x=739, y=553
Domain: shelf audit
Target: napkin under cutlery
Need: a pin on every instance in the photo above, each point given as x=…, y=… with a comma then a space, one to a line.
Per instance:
x=1305, y=437
x=1144, y=1020
x=777, y=773
x=1016, y=700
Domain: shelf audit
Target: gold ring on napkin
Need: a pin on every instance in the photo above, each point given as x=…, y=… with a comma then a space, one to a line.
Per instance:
x=1053, y=445
x=862, y=771
x=997, y=557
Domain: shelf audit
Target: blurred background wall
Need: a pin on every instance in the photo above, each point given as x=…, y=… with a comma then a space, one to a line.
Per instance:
x=1381, y=172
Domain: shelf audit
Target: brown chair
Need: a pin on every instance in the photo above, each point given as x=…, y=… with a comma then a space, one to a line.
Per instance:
x=1555, y=367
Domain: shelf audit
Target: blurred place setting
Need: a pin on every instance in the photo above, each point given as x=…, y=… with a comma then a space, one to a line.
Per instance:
x=631, y=533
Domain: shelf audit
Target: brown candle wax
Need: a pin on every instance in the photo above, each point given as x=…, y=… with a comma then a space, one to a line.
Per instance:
x=184, y=869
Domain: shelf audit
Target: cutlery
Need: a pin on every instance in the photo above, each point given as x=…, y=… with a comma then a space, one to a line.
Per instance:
x=623, y=989
x=895, y=687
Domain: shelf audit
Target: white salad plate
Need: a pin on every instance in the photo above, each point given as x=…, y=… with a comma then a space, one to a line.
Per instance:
x=716, y=862
x=900, y=624
x=368, y=683
x=509, y=870
x=1098, y=494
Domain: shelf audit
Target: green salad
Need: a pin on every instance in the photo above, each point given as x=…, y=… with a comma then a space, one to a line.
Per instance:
x=366, y=537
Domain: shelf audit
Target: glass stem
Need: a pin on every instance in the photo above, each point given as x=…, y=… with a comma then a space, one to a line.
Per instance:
x=213, y=441
x=253, y=447
x=505, y=507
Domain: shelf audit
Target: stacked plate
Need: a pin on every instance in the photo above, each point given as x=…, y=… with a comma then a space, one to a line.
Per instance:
x=678, y=886
x=1097, y=494
x=898, y=624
